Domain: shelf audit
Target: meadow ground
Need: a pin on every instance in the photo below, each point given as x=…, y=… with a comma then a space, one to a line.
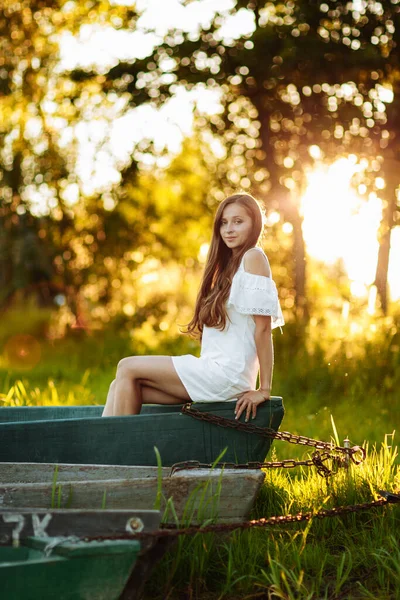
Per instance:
x=331, y=390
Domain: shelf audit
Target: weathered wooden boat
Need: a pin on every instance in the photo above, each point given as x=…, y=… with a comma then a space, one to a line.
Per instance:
x=44, y=568
x=189, y=495
x=19, y=524
x=80, y=435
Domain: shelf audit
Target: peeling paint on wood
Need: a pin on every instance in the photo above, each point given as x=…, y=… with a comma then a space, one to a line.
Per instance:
x=225, y=495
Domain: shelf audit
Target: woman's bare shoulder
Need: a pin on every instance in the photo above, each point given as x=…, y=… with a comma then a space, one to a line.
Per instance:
x=256, y=262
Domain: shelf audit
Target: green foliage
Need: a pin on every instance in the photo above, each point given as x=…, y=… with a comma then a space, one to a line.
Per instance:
x=157, y=501
x=48, y=243
x=25, y=318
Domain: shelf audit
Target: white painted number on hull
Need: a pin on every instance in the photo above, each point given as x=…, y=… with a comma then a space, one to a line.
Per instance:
x=39, y=526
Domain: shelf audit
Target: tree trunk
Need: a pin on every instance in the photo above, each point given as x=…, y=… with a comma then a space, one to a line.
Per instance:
x=289, y=208
x=299, y=256
x=392, y=178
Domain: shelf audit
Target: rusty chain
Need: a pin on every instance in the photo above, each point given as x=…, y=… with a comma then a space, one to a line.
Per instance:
x=170, y=531
x=317, y=459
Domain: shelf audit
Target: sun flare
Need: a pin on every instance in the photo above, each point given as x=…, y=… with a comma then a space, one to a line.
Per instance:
x=340, y=224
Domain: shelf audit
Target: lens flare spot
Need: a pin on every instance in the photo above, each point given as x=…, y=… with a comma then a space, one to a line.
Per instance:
x=22, y=351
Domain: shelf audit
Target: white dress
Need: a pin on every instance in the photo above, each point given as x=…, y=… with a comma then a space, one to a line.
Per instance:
x=228, y=363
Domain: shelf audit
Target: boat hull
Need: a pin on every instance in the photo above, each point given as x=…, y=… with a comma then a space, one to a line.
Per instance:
x=130, y=440
x=72, y=571
x=19, y=523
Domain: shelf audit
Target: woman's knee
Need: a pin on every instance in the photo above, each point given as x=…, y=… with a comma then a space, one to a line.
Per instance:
x=127, y=366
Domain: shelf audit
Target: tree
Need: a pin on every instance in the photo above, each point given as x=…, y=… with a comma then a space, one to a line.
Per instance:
x=390, y=217
x=39, y=249
x=308, y=70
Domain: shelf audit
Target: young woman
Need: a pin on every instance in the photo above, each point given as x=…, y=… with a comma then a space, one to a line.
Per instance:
x=237, y=307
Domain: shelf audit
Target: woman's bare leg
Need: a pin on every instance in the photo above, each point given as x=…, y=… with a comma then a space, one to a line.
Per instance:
x=109, y=405
x=149, y=396
x=153, y=396
x=156, y=372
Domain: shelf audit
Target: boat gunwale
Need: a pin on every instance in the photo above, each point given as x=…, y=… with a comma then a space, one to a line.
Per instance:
x=174, y=409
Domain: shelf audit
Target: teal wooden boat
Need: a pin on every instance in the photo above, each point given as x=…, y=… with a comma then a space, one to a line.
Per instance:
x=18, y=526
x=45, y=568
x=80, y=435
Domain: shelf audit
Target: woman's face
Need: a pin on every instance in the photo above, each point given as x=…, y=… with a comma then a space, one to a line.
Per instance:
x=236, y=225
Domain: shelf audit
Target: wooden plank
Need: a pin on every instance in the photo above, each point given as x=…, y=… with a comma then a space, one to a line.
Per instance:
x=131, y=440
x=224, y=495
x=45, y=472
x=15, y=414
x=10, y=414
x=19, y=523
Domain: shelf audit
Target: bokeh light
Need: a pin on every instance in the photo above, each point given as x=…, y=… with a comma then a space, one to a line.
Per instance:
x=22, y=351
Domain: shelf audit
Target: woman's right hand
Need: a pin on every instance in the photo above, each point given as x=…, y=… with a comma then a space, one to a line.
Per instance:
x=248, y=401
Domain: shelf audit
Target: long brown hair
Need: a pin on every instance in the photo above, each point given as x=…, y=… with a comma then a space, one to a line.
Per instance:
x=221, y=266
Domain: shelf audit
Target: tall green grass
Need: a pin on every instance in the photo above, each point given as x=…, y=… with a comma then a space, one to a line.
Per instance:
x=348, y=557
x=22, y=394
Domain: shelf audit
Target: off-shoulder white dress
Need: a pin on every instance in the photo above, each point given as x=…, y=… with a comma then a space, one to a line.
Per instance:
x=228, y=363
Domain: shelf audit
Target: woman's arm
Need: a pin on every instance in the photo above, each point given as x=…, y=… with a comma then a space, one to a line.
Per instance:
x=248, y=401
x=265, y=353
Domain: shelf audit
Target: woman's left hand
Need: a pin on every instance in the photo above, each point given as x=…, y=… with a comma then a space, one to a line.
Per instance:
x=248, y=401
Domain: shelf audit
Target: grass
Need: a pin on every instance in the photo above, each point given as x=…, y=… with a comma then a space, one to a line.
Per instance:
x=348, y=557
x=332, y=388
